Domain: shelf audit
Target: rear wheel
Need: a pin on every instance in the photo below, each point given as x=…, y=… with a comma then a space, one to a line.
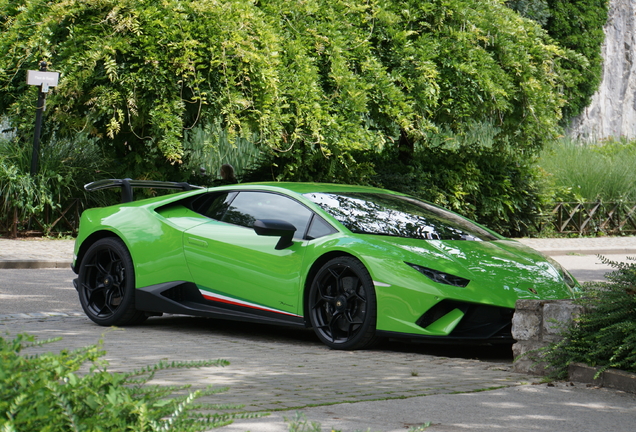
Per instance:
x=342, y=304
x=106, y=284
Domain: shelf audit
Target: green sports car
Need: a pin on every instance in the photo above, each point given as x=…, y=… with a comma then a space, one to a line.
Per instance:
x=354, y=263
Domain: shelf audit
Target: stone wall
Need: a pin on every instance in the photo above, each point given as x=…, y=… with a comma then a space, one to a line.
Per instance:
x=612, y=111
x=536, y=324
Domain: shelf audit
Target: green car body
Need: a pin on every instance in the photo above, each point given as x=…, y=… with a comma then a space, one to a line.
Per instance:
x=242, y=275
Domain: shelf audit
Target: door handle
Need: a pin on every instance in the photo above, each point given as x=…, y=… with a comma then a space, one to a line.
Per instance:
x=197, y=242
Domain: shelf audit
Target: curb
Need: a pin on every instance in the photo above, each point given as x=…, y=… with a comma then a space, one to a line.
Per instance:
x=613, y=378
x=33, y=264
x=561, y=252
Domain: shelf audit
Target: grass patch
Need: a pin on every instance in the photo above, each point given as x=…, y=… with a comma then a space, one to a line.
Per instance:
x=591, y=171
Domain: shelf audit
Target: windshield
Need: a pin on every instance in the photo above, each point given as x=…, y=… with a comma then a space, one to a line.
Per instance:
x=394, y=215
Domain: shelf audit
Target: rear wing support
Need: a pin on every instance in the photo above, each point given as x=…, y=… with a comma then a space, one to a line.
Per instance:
x=127, y=186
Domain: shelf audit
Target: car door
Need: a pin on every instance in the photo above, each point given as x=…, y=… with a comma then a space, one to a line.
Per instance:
x=233, y=265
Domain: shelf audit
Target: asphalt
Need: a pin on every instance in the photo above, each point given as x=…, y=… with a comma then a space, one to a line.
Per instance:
x=389, y=388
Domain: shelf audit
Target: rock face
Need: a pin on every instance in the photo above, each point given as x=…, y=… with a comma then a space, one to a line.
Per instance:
x=612, y=112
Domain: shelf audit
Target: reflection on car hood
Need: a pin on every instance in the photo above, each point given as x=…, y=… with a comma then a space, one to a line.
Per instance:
x=501, y=263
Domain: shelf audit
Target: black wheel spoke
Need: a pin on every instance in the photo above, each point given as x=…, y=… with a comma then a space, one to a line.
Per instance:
x=106, y=284
x=339, y=304
x=333, y=329
x=100, y=267
x=93, y=294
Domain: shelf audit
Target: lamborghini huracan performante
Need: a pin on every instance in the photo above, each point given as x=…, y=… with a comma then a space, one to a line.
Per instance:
x=354, y=263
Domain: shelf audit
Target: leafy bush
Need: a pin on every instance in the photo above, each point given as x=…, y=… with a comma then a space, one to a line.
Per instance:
x=63, y=169
x=472, y=173
x=605, y=334
x=578, y=26
x=536, y=10
x=49, y=392
x=314, y=80
x=210, y=146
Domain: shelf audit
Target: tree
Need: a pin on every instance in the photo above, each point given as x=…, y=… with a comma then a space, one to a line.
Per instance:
x=313, y=81
x=578, y=26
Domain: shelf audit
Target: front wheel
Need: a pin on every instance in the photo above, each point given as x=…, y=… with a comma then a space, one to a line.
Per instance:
x=106, y=284
x=342, y=304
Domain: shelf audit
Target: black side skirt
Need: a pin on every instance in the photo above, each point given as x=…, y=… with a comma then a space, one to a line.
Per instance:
x=184, y=298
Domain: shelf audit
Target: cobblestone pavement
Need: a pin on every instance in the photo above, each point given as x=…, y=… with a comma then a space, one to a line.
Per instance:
x=35, y=253
x=273, y=368
x=276, y=368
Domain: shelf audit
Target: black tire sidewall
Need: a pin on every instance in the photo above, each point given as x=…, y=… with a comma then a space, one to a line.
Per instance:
x=126, y=312
x=365, y=336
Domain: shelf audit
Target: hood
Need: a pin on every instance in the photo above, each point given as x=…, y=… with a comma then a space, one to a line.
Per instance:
x=504, y=266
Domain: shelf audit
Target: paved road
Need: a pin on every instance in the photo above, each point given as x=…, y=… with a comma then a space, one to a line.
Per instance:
x=386, y=389
x=587, y=267
x=37, y=290
x=280, y=370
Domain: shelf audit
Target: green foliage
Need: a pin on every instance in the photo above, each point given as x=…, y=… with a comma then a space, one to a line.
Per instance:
x=49, y=392
x=578, y=26
x=472, y=175
x=589, y=172
x=314, y=81
x=605, y=334
x=536, y=10
x=63, y=169
x=209, y=147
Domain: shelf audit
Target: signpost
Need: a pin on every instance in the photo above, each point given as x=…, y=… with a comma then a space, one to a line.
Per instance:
x=44, y=80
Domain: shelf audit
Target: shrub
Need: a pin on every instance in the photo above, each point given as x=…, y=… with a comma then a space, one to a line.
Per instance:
x=63, y=169
x=578, y=26
x=605, y=334
x=210, y=146
x=48, y=392
x=471, y=174
x=315, y=80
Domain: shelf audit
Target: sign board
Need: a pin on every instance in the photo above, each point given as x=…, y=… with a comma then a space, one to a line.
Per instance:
x=40, y=78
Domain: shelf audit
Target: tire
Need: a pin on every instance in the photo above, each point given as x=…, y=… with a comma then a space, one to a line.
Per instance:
x=342, y=305
x=106, y=284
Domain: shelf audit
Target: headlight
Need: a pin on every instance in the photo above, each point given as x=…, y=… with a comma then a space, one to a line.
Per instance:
x=441, y=277
x=567, y=277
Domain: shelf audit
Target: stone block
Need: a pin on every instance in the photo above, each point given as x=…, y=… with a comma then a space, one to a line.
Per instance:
x=620, y=380
x=557, y=316
x=614, y=378
x=529, y=305
x=526, y=325
x=580, y=372
x=528, y=358
x=528, y=349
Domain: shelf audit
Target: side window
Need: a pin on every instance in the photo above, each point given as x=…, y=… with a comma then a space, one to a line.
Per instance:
x=213, y=205
x=319, y=228
x=247, y=207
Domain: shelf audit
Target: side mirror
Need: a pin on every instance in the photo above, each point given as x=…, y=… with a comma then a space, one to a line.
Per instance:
x=276, y=228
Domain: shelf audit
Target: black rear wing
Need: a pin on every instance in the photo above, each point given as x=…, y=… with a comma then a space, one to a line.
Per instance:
x=127, y=186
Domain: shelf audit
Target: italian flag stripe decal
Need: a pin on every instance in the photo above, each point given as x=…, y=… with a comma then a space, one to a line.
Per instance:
x=229, y=300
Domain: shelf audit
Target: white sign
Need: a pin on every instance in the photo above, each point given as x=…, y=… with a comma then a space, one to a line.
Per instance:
x=39, y=78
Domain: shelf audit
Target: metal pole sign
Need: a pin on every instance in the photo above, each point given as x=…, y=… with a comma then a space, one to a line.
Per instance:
x=44, y=80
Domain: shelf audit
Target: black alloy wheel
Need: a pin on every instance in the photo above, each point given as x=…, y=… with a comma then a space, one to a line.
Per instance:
x=342, y=304
x=106, y=284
